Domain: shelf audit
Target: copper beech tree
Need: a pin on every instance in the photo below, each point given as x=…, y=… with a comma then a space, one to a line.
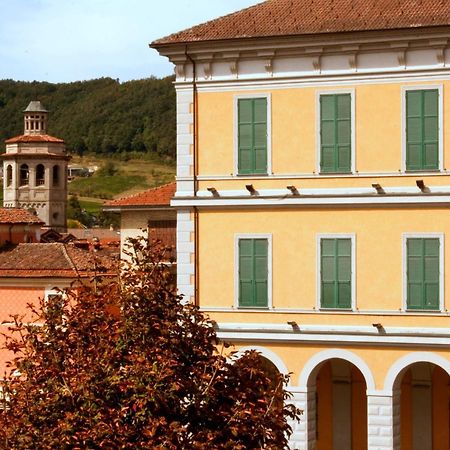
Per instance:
x=127, y=365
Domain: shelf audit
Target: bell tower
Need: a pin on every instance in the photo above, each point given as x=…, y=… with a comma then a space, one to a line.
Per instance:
x=35, y=170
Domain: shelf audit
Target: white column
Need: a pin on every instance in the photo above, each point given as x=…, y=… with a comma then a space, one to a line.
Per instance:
x=185, y=140
x=185, y=254
x=185, y=187
x=383, y=411
x=298, y=439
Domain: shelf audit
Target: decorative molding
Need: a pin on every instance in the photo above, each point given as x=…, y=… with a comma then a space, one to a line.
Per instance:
x=316, y=361
x=401, y=58
x=207, y=69
x=352, y=61
x=266, y=353
x=411, y=358
x=180, y=71
x=269, y=67
x=440, y=56
x=234, y=68
x=316, y=63
x=379, y=340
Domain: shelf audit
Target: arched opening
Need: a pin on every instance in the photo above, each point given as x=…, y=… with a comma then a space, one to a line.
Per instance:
x=24, y=175
x=337, y=407
x=40, y=175
x=424, y=407
x=9, y=175
x=55, y=176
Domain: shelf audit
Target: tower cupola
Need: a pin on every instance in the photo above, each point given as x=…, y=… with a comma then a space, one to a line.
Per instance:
x=35, y=119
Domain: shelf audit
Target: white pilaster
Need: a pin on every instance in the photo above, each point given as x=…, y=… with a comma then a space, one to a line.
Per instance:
x=383, y=421
x=298, y=437
x=185, y=140
x=185, y=254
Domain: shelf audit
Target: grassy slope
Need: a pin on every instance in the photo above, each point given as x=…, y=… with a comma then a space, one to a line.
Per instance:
x=133, y=176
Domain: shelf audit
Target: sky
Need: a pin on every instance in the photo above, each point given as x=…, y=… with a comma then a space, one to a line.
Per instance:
x=73, y=40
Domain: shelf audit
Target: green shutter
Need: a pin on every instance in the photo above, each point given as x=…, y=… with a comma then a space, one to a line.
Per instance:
x=423, y=273
x=336, y=273
x=253, y=273
x=422, y=129
x=335, y=133
x=252, y=135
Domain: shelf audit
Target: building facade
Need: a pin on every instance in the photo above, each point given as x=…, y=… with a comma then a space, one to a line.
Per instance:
x=312, y=207
x=147, y=213
x=35, y=170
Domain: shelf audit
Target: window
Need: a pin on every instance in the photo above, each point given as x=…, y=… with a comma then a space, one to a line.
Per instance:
x=423, y=273
x=40, y=175
x=336, y=284
x=24, y=175
x=253, y=272
x=422, y=129
x=336, y=133
x=9, y=175
x=252, y=135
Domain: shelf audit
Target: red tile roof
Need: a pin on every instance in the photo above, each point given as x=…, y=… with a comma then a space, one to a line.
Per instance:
x=298, y=17
x=52, y=260
x=34, y=138
x=159, y=196
x=18, y=215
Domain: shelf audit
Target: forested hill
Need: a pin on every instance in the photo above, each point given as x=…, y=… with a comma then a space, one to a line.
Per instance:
x=100, y=116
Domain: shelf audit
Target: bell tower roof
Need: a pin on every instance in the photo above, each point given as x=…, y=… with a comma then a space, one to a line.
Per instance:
x=35, y=106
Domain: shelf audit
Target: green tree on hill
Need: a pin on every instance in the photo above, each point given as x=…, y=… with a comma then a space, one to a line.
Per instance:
x=98, y=116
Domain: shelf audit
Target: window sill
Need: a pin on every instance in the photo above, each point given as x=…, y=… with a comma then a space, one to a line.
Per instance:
x=253, y=174
x=425, y=311
x=246, y=308
x=337, y=309
x=337, y=173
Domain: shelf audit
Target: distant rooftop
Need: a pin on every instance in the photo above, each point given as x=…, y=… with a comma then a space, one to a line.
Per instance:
x=156, y=197
x=303, y=17
x=35, y=106
x=18, y=216
x=54, y=261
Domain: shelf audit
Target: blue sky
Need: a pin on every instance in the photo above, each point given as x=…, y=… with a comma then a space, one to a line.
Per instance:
x=70, y=40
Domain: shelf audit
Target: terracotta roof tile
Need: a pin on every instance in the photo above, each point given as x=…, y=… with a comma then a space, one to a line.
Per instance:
x=18, y=215
x=159, y=196
x=52, y=260
x=34, y=138
x=298, y=17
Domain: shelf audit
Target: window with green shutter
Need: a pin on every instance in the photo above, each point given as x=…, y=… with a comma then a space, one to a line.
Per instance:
x=252, y=135
x=253, y=273
x=336, y=273
x=422, y=129
x=423, y=273
x=335, y=133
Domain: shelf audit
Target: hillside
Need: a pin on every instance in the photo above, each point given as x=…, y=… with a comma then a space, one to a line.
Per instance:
x=100, y=116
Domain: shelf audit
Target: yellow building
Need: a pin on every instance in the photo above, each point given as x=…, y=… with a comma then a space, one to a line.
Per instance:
x=312, y=207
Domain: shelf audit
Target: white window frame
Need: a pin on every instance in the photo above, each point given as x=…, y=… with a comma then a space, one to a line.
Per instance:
x=405, y=237
x=49, y=291
x=319, y=237
x=268, y=98
x=428, y=87
x=237, y=238
x=352, y=122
